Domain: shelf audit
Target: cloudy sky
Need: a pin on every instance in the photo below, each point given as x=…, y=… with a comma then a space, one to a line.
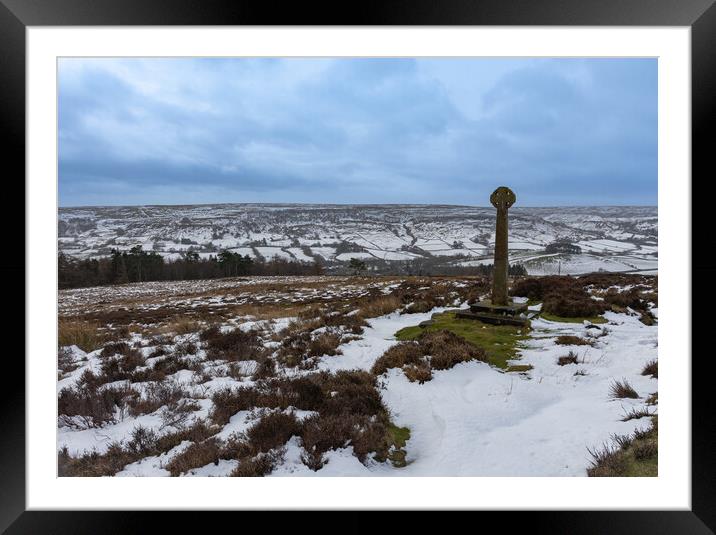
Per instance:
x=188, y=131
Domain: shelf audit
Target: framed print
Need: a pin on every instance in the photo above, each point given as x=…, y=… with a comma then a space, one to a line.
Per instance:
x=408, y=259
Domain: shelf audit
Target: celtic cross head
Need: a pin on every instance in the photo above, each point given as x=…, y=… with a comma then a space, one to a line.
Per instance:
x=502, y=198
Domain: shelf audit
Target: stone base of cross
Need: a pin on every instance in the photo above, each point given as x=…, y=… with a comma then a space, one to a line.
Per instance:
x=486, y=311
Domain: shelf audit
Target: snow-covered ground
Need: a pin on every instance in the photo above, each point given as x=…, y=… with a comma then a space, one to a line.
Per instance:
x=476, y=420
x=586, y=263
x=472, y=419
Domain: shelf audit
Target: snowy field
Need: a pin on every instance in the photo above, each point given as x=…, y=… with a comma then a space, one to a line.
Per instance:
x=473, y=419
x=612, y=238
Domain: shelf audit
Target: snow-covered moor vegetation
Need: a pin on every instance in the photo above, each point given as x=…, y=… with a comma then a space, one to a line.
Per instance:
x=333, y=376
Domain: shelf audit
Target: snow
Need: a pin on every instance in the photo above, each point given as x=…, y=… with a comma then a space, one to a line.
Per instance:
x=348, y=256
x=629, y=232
x=85, y=440
x=270, y=253
x=473, y=419
x=605, y=245
x=86, y=361
x=238, y=423
x=458, y=252
x=153, y=466
x=339, y=463
x=477, y=420
x=298, y=253
x=326, y=252
x=222, y=468
x=585, y=263
x=473, y=263
x=524, y=245
x=377, y=338
x=390, y=255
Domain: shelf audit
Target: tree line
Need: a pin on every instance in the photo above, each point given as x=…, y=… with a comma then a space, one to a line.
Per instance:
x=138, y=265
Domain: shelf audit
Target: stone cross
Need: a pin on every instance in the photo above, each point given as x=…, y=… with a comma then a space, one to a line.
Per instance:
x=502, y=198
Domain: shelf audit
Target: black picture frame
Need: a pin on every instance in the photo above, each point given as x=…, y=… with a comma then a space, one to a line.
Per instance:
x=699, y=15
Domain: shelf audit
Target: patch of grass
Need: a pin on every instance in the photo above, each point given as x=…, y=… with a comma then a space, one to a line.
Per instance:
x=622, y=389
x=397, y=438
x=647, y=452
x=398, y=435
x=167, y=366
x=635, y=455
x=320, y=434
x=535, y=288
x=569, y=340
x=260, y=465
x=350, y=412
x=519, y=368
x=500, y=342
x=379, y=306
x=85, y=405
x=562, y=296
x=431, y=350
x=629, y=298
x=83, y=334
x=579, y=319
x=197, y=432
x=651, y=368
x=651, y=297
x=272, y=431
x=420, y=306
x=367, y=435
x=94, y=464
x=258, y=450
x=266, y=368
x=647, y=318
x=196, y=455
x=422, y=297
x=325, y=344
x=115, y=348
x=408, y=353
x=606, y=280
x=351, y=323
x=233, y=345
x=446, y=349
x=143, y=442
x=65, y=361
x=121, y=368
x=179, y=325
x=301, y=347
x=419, y=372
x=569, y=358
x=575, y=303
x=294, y=348
x=155, y=396
x=635, y=414
x=228, y=401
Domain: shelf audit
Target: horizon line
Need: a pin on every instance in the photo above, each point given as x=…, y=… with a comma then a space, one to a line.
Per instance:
x=350, y=204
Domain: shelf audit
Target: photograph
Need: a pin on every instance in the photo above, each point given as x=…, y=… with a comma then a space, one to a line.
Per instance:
x=402, y=257
x=357, y=266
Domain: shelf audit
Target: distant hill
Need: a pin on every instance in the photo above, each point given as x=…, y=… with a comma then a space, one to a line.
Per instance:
x=609, y=238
